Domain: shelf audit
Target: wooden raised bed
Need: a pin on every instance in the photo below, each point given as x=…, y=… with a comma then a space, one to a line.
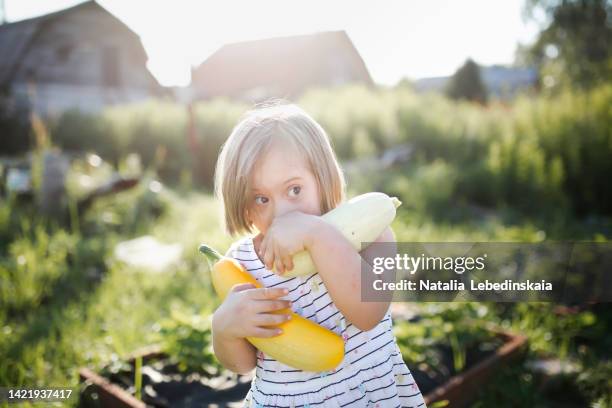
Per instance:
x=109, y=395
x=459, y=390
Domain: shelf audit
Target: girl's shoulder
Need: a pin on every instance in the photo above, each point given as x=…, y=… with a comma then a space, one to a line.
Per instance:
x=240, y=246
x=243, y=251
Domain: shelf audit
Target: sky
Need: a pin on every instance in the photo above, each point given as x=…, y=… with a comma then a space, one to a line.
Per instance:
x=396, y=38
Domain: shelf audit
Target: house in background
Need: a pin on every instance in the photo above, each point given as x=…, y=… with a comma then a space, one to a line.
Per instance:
x=501, y=81
x=279, y=67
x=80, y=57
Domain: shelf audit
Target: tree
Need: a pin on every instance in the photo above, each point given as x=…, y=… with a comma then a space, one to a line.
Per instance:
x=467, y=84
x=404, y=83
x=573, y=47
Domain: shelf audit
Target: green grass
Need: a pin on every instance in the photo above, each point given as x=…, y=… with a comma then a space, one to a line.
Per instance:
x=94, y=322
x=532, y=171
x=96, y=310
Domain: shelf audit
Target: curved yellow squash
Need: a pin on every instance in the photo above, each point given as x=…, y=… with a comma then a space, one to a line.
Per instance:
x=303, y=344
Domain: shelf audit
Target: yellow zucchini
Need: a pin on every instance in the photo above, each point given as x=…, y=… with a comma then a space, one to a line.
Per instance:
x=303, y=344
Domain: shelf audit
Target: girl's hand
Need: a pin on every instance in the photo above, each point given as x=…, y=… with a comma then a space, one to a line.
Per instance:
x=288, y=234
x=247, y=310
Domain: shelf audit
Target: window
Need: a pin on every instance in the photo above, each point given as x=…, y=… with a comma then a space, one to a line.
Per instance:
x=63, y=52
x=110, y=67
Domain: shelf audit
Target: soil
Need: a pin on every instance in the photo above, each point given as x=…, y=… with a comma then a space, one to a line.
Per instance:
x=163, y=385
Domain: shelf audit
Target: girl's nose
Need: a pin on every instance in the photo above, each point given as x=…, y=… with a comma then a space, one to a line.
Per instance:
x=283, y=207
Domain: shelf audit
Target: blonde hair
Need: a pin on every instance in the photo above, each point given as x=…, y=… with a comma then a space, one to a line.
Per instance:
x=247, y=143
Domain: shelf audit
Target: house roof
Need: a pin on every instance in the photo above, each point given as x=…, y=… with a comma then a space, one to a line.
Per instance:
x=260, y=59
x=277, y=45
x=16, y=37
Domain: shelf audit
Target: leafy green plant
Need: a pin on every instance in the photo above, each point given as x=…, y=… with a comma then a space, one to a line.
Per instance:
x=138, y=377
x=512, y=386
x=595, y=382
x=456, y=326
x=525, y=155
x=187, y=338
x=548, y=332
x=35, y=260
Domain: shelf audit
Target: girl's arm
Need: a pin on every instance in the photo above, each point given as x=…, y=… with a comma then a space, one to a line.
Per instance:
x=234, y=353
x=245, y=312
x=340, y=268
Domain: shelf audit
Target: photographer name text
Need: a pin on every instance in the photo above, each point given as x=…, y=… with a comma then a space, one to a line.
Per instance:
x=456, y=285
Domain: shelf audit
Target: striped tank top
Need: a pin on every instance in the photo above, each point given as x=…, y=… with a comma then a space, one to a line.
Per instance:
x=372, y=373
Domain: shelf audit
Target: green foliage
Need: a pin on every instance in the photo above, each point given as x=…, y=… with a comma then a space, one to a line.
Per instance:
x=84, y=308
x=520, y=174
x=476, y=173
x=428, y=189
x=438, y=128
x=99, y=309
x=38, y=257
x=187, y=338
x=154, y=130
x=75, y=130
x=34, y=262
x=157, y=131
x=138, y=377
x=457, y=326
x=566, y=146
x=538, y=154
x=595, y=382
x=512, y=386
x=467, y=84
x=548, y=332
x=214, y=122
x=358, y=120
x=573, y=48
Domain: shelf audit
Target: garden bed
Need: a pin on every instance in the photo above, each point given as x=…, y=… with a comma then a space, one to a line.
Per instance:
x=452, y=349
x=163, y=385
x=461, y=388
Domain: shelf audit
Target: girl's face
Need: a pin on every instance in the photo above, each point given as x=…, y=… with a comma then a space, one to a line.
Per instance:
x=282, y=182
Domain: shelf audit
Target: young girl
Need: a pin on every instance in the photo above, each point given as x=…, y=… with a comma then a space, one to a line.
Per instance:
x=277, y=173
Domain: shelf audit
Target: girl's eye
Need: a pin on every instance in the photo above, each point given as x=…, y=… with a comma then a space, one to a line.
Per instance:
x=261, y=200
x=295, y=190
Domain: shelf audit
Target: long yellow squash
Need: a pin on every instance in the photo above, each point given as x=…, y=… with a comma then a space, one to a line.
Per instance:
x=361, y=219
x=303, y=344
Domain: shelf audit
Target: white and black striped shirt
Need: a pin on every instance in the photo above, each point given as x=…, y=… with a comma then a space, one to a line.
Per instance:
x=369, y=355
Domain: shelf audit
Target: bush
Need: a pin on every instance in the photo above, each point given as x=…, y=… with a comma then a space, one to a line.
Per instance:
x=214, y=122
x=157, y=131
x=430, y=189
x=354, y=110
x=79, y=131
x=535, y=155
x=572, y=133
x=35, y=261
